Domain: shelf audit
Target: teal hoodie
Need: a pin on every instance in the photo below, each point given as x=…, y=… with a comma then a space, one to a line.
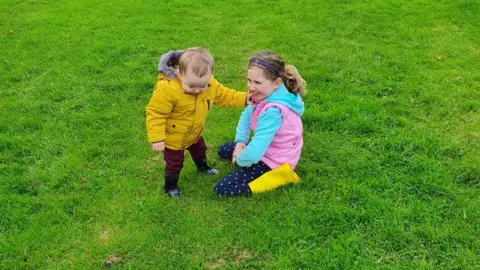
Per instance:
x=268, y=124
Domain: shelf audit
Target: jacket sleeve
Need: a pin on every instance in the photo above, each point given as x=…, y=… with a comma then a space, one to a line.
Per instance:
x=226, y=97
x=158, y=110
x=268, y=124
x=243, y=126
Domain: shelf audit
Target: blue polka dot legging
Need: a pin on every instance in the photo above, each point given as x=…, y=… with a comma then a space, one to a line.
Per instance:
x=236, y=183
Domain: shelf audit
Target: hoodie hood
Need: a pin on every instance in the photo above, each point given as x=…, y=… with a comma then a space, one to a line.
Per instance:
x=169, y=62
x=292, y=101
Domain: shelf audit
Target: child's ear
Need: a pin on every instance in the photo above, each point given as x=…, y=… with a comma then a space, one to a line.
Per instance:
x=278, y=81
x=177, y=71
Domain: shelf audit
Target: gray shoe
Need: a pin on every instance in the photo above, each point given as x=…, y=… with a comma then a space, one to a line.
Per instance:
x=171, y=187
x=204, y=168
x=174, y=193
x=211, y=171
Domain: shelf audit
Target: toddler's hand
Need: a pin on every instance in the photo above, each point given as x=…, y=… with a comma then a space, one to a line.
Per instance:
x=158, y=146
x=250, y=99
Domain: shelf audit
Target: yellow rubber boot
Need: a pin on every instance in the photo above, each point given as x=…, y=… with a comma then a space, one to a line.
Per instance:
x=273, y=179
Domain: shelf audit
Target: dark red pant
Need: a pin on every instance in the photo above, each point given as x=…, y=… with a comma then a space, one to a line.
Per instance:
x=174, y=158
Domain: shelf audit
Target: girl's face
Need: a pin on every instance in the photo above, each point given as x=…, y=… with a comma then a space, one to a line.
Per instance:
x=260, y=87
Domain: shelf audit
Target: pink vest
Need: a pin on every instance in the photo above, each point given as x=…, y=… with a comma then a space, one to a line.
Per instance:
x=286, y=146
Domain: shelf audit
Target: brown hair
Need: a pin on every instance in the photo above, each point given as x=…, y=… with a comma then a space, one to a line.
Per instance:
x=274, y=67
x=197, y=60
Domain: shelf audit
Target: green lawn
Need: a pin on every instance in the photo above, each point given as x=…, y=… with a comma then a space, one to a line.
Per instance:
x=390, y=167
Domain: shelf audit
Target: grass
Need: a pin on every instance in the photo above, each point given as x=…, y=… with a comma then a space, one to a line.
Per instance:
x=390, y=167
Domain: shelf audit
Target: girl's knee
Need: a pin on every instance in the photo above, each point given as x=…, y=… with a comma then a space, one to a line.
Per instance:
x=225, y=151
x=219, y=190
x=220, y=152
x=222, y=187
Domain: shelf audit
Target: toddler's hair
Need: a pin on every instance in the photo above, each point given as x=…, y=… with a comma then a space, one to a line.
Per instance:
x=197, y=60
x=274, y=67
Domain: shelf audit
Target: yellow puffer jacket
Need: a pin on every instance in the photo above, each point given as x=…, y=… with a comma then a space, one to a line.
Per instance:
x=179, y=118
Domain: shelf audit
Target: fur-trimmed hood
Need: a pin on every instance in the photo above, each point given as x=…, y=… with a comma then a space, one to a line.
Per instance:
x=169, y=62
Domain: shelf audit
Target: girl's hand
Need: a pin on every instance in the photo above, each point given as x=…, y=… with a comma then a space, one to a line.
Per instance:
x=239, y=147
x=158, y=146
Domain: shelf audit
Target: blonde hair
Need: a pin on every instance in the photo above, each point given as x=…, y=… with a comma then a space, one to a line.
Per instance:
x=197, y=60
x=274, y=67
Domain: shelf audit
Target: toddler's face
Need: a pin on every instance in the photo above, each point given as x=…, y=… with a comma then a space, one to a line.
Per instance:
x=260, y=87
x=193, y=84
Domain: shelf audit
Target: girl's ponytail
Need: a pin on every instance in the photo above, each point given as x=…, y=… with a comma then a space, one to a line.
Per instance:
x=294, y=81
